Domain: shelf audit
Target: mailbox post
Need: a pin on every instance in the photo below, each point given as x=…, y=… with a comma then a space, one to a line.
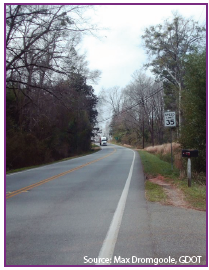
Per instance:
x=189, y=154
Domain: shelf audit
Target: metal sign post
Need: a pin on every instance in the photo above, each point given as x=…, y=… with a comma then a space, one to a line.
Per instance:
x=170, y=121
x=171, y=152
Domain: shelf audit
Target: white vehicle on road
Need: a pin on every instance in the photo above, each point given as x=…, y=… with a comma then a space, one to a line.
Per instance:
x=103, y=141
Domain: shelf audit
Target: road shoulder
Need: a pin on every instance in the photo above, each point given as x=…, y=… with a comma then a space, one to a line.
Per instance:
x=177, y=232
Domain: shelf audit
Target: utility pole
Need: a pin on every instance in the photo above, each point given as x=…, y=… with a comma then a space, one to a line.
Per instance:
x=152, y=129
x=143, y=124
x=143, y=131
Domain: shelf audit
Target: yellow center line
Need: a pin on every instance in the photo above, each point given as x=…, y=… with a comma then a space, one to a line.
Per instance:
x=24, y=189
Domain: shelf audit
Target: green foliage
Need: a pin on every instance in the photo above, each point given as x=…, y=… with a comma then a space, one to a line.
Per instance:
x=50, y=109
x=196, y=195
x=154, y=192
x=168, y=46
x=50, y=131
x=24, y=150
x=170, y=97
x=194, y=109
x=168, y=43
x=154, y=166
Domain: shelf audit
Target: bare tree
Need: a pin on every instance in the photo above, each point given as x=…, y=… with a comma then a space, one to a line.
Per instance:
x=112, y=98
x=142, y=97
x=40, y=39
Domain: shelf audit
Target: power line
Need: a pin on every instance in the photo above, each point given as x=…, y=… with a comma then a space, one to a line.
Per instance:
x=131, y=107
x=201, y=14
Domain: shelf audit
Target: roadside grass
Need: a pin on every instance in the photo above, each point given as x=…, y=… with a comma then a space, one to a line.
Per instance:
x=94, y=149
x=154, y=166
x=154, y=192
x=195, y=195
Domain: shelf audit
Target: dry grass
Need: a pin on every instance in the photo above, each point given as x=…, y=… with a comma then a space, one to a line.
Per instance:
x=164, y=151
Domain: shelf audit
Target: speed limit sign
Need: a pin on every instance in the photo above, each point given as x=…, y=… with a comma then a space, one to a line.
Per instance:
x=170, y=119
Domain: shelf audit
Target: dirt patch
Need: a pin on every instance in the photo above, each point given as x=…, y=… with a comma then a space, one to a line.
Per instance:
x=175, y=196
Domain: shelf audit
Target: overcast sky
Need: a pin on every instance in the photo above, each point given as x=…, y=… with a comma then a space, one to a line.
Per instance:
x=119, y=52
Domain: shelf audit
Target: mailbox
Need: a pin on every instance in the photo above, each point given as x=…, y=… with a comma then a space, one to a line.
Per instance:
x=189, y=153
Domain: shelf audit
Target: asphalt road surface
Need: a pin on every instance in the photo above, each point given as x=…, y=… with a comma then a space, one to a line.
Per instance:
x=92, y=211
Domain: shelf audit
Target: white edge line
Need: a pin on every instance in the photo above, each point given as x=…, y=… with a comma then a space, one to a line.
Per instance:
x=108, y=246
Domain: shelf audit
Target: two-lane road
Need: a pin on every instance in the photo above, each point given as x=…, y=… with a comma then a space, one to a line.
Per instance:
x=77, y=211
x=92, y=210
